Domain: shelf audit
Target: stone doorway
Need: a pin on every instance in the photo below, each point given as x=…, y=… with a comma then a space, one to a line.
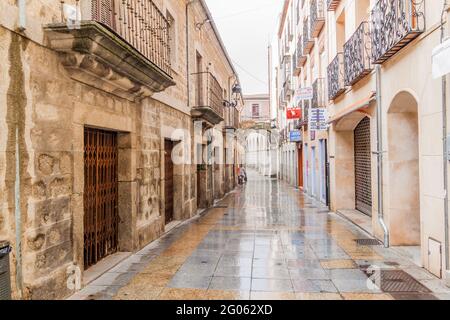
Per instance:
x=168, y=181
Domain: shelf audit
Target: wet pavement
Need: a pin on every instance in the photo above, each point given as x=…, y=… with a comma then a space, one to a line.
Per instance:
x=265, y=240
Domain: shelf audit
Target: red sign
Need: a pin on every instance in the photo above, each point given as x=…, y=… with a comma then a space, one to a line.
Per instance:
x=294, y=113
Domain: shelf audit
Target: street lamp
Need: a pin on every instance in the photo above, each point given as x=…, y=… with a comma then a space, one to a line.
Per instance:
x=236, y=90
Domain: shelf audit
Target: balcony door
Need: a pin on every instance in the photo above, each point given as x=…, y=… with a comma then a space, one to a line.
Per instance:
x=168, y=181
x=199, y=80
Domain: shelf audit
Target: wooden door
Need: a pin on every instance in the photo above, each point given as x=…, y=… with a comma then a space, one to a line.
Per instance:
x=168, y=181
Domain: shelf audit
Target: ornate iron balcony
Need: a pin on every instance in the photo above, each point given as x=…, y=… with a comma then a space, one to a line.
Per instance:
x=332, y=4
x=308, y=41
x=317, y=16
x=140, y=23
x=357, y=51
x=301, y=58
x=208, y=98
x=335, y=70
x=118, y=46
x=287, y=89
x=232, y=118
x=319, y=99
x=305, y=115
x=295, y=67
x=395, y=23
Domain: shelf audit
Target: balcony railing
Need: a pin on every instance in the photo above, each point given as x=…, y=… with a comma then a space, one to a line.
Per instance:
x=335, y=71
x=305, y=115
x=317, y=16
x=301, y=58
x=308, y=40
x=395, y=23
x=332, y=4
x=357, y=51
x=319, y=97
x=232, y=118
x=208, y=98
x=288, y=89
x=118, y=46
x=295, y=66
x=140, y=23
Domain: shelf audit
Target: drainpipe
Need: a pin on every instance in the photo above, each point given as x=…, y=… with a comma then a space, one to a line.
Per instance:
x=379, y=153
x=187, y=53
x=445, y=150
x=22, y=14
x=17, y=201
x=18, y=216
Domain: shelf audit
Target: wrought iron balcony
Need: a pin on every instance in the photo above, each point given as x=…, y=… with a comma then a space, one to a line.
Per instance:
x=395, y=23
x=300, y=57
x=232, y=118
x=121, y=46
x=332, y=4
x=288, y=89
x=357, y=55
x=308, y=40
x=319, y=97
x=317, y=16
x=295, y=66
x=208, y=98
x=305, y=115
x=335, y=71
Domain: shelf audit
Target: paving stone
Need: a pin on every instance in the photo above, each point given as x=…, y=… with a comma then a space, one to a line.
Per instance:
x=272, y=242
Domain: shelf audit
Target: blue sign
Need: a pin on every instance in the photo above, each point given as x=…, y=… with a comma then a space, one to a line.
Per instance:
x=295, y=136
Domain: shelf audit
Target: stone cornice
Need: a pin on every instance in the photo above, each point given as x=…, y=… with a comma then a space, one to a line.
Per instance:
x=95, y=55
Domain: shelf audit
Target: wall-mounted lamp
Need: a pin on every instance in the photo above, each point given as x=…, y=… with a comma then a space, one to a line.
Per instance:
x=236, y=90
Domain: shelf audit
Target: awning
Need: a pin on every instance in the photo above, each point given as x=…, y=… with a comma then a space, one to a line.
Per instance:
x=361, y=104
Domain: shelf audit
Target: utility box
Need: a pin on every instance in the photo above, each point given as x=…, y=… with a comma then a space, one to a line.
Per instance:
x=5, y=282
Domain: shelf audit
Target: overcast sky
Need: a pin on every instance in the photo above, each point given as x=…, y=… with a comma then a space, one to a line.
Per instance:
x=246, y=26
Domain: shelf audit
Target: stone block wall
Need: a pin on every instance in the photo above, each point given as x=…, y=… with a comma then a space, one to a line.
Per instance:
x=43, y=113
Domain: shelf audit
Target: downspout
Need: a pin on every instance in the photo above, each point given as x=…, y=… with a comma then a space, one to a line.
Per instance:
x=187, y=54
x=18, y=216
x=22, y=14
x=445, y=150
x=379, y=153
x=17, y=200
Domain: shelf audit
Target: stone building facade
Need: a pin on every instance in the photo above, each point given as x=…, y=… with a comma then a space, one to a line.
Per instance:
x=302, y=65
x=387, y=124
x=384, y=144
x=91, y=118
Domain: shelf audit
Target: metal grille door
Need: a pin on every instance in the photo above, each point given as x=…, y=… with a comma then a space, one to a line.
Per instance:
x=363, y=180
x=101, y=217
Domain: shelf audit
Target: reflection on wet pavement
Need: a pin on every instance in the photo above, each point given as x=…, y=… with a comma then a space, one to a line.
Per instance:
x=268, y=241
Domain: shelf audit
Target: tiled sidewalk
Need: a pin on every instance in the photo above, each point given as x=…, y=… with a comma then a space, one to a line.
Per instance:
x=271, y=242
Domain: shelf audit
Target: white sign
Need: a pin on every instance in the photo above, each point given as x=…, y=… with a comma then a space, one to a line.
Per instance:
x=318, y=119
x=305, y=93
x=441, y=60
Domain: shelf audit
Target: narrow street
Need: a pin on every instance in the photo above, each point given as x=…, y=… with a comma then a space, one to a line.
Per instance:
x=265, y=240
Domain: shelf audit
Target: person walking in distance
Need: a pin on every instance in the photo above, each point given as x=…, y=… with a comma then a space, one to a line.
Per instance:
x=242, y=175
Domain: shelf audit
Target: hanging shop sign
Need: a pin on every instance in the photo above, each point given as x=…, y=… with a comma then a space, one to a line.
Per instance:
x=318, y=119
x=305, y=93
x=295, y=136
x=294, y=113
